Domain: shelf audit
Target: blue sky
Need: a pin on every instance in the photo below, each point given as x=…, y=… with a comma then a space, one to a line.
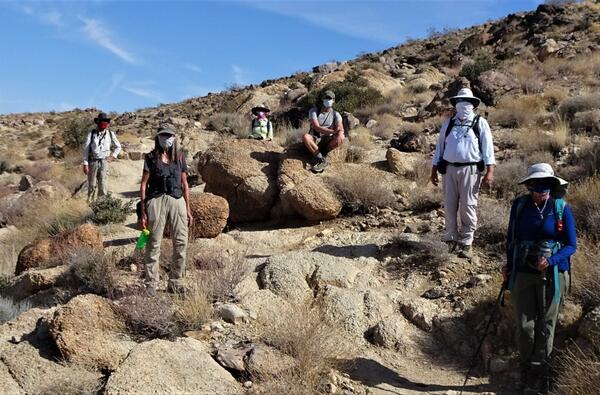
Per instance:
x=126, y=55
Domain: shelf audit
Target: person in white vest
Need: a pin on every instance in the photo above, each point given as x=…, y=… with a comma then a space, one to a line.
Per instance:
x=97, y=154
x=261, y=127
x=464, y=155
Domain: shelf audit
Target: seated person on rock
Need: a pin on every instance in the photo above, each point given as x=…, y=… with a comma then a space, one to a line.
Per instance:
x=326, y=131
x=261, y=127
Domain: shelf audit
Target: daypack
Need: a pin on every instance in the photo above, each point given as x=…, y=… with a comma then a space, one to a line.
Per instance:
x=442, y=164
x=559, y=209
x=335, y=116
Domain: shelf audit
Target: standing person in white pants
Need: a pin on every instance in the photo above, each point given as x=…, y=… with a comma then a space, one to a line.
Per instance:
x=165, y=197
x=464, y=151
x=97, y=154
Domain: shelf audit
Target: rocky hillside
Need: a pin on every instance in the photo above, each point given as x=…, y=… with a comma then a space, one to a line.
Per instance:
x=302, y=283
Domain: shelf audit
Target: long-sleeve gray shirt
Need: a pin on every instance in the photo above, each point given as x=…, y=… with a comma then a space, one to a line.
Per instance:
x=98, y=145
x=462, y=145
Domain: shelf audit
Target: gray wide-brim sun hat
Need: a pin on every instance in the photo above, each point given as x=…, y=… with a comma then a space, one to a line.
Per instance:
x=260, y=108
x=466, y=94
x=166, y=129
x=540, y=171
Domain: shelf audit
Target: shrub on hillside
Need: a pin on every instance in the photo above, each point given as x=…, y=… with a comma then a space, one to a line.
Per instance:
x=76, y=128
x=361, y=142
x=220, y=271
x=93, y=271
x=506, y=178
x=10, y=309
x=149, y=317
x=512, y=112
x=587, y=122
x=589, y=158
x=584, y=199
x=233, y=123
x=193, y=309
x=492, y=222
x=552, y=141
x=572, y=105
x=108, y=209
x=578, y=372
x=350, y=95
x=482, y=62
x=586, y=272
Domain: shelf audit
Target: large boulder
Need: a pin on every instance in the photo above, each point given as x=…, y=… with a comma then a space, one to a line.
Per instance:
x=245, y=173
x=303, y=192
x=43, y=251
x=404, y=163
x=210, y=214
x=163, y=367
x=88, y=331
x=33, y=281
x=390, y=333
x=491, y=85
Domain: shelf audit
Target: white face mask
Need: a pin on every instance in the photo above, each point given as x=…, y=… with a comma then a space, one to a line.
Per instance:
x=464, y=110
x=328, y=103
x=166, y=142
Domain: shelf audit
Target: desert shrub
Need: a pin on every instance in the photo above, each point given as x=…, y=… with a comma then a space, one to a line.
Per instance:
x=589, y=158
x=492, y=218
x=361, y=189
x=572, y=105
x=109, y=209
x=361, y=143
x=586, y=272
x=386, y=126
x=422, y=255
x=286, y=134
x=40, y=170
x=193, y=309
x=84, y=384
x=482, y=62
x=424, y=199
x=76, y=128
x=555, y=95
x=506, y=178
x=220, y=271
x=92, y=270
x=584, y=199
x=578, y=372
x=519, y=111
x=350, y=95
x=149, y=317
x=587, y=122
x=233, y=123
x=552, y=141
x=528, y=75
x=10, y=309
x=314, y=341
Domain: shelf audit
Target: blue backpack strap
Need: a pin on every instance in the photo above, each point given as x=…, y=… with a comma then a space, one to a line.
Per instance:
x=513, y=231
x=559, y=210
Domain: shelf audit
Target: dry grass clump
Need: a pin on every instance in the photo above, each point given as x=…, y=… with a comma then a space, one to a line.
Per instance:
x=233, y=123
x=528, y=75
x=492, y=216
x=506, y=178
x=361, y=142
x=362, y=189
x=424, y=199
x=149, y=317
x=555, y=95
x=584, y=199
x=220, y=271
x=286, y=134
x=313, y=340
x=386, y=126
x=552, y=140
x=579, y=372
x=10, y=309
x=193, y=309
x=589, y=158
x=585, y=67
x=586, y=273
x=93, y=271
x=520, y=111
x=573, y=105
x=84, y=384
x=587, y=122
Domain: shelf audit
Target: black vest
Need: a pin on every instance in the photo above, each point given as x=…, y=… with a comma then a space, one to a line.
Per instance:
x=165, y=178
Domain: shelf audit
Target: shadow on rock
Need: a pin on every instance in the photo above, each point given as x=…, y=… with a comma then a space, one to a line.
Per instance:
x=352, y=251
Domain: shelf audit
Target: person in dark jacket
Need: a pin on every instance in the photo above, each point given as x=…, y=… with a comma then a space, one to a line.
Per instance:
x=541, y=239
x=165, y=198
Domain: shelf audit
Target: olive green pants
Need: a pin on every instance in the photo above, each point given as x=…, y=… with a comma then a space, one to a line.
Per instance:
x=527, y=297
x=160, y=211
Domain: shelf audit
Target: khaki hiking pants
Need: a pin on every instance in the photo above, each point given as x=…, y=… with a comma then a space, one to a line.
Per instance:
x=160, y=211
x=461, y=194
x=526, y=296
x=97, y=178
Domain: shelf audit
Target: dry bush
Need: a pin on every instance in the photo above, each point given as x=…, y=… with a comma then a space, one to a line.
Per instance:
x=550, y=141
x=361, y=142
x=149, y=317
x=586, y=273
x=193, y=309
x=287, y=134
x=589, y=158
x=93, y=271
x=572, y=105
x=10, y=309
x=48, y=218
x=518, y=111
x=83, y=385
x=392, y=103
x=362, y=189
x=578, y=372
x=386, y=126
x=584, y=199
x=39, y=170
x=587, y=122
x=528, y=75
x=506, y=178
x=555, y=95
x=492, y=217
x=313, y=340
x=233, y=123
x=220, y=271
x=424, y=199
x=424, y=255
x=585, y=67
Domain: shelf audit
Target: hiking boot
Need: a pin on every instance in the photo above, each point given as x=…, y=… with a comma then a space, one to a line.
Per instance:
x=175, y=288
x=451, y=246
x=320, y=166
x=465, y=251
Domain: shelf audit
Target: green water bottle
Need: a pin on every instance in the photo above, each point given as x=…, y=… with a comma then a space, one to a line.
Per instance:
x=143, y=239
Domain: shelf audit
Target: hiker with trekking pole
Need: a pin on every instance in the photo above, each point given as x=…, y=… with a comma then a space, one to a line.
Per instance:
x=541, y=239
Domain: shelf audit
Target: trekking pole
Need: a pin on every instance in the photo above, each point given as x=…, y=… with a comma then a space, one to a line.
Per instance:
x=485, y=332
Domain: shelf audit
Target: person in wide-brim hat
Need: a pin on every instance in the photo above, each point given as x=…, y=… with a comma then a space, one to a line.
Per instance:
x=260, y=108
x=102, y=117
x=465, y=94
x=542, y=171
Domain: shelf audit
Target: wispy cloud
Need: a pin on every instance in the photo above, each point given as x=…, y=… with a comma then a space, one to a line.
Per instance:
x=192, y=67
x=53, y=18
x=144, y=92
x=100, y=34
x=239, y=75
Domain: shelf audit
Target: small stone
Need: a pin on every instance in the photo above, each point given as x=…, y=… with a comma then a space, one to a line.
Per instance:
x=248, y=384
x=133, y=268
x=479, y=279
x=232, y=314
x=26, y=182
x=371, y=124
x=434, y=293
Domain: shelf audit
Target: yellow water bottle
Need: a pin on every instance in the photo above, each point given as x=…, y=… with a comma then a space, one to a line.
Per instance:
x=143, y=239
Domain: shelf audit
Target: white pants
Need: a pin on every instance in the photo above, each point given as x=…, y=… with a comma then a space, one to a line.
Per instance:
x=461, y=194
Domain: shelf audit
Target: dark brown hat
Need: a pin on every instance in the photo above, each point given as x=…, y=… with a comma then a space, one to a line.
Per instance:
x=102, y=117
x=260, y=108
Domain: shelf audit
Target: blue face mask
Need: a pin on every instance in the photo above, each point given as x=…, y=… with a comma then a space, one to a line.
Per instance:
x=540, y=189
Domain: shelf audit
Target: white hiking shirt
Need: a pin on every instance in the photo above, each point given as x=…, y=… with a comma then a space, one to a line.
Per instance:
x=99, y=146
x=462, y=145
